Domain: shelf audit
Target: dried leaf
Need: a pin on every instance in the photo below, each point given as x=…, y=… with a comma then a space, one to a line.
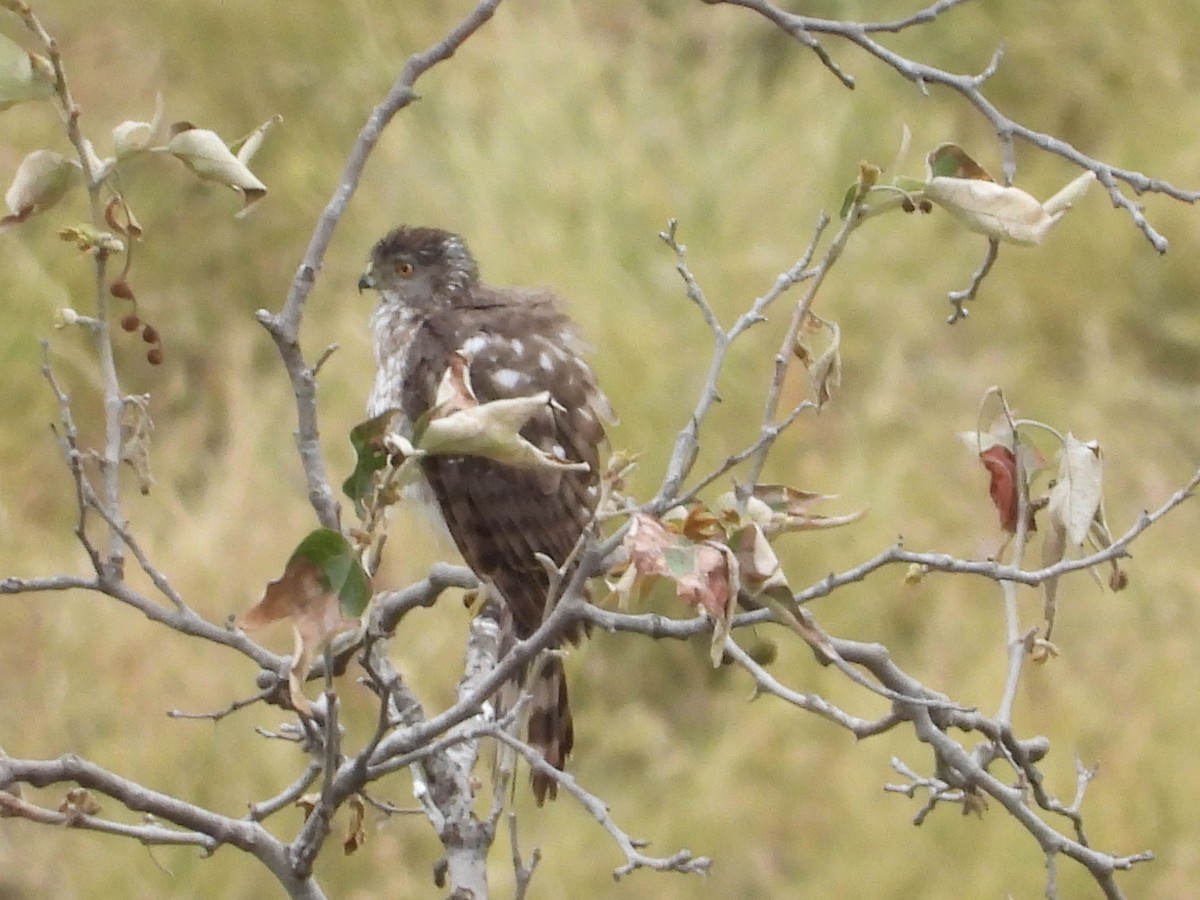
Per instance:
x=825, y=369
x=1042, y=650
x=1001, y=464
x=701, y=525
x=455, y=391
x=356, y=835
x=133, y=137
x=128, y=227
x=1077, y=493
x=762, y=577
x=245, y=148
x=136, y=426
x=1003, y=213
x=42, y=179
x=704, y=574
x=709, y=574
x=206, y=155
x=322, y=587
x=712, y=585
x=761, y=572
x=646, y=543
x=1054, y=547
x=951, y=161
x=1075, y=509
x=459, y=425
x=79, y=802
x=974, y=801
x=779, y=509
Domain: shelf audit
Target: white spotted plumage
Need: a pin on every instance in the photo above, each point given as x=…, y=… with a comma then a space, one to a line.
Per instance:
x=516, y=343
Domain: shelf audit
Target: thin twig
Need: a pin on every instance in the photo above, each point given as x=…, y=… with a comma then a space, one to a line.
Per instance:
x=968, y=87
x=959, y=299
x=284, y=326
x=786, y=352
x=683, y=861
x=687, y=445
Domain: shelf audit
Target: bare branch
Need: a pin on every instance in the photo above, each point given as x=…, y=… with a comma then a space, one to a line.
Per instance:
x=968, y=86
x=687, y=446
x=220, y=714
x=919, y=18
x=388, y=608
x=683, y=861
x=521, y=872
x=14, y=585
x=785, y=354
x=148, y=834
x=284, y=326
x=257, y=812
x=209, y=829
x=959, y=299
x=766, y=683
x=110, y=456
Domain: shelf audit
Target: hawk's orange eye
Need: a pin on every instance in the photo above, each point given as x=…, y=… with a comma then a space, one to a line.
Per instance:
x=404, y=268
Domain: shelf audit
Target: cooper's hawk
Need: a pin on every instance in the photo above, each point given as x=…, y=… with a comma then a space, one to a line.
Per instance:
x=517, y=344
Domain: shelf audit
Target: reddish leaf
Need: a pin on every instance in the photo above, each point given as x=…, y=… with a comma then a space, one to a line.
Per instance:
x=708, y=584
x=1001, y=464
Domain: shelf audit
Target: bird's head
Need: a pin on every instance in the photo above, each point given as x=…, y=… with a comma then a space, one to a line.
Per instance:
x=419, y=267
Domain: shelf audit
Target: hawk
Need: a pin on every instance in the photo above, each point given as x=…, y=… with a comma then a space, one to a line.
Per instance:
x=434, y=309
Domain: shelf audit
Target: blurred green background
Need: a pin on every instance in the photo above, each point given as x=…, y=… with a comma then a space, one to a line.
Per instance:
x=559, y=140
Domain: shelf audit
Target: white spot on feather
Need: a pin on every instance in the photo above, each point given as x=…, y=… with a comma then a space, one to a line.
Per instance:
x=518, y=346
x=474, y=344
x=545, y=362
x=508, y=379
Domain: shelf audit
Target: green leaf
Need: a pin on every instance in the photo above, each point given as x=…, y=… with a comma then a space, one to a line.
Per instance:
x=848, y=201
x=341, y=571
x=680, y=560
x=952, y=161
x=370, y=456
x=323, y=591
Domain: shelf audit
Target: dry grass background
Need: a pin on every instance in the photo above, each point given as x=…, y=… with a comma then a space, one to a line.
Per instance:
x=559, y=140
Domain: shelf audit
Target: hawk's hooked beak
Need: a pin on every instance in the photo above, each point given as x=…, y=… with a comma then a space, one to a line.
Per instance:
x=367, y=281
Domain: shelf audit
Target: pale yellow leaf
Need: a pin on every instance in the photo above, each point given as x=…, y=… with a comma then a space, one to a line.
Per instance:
x=1004, y=213
x=42, y=179
x=206, y=155
x=24, y=76
x=134, y=136
x=1078, y=491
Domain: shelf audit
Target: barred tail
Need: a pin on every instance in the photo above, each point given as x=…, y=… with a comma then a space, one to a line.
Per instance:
x=550, y=729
